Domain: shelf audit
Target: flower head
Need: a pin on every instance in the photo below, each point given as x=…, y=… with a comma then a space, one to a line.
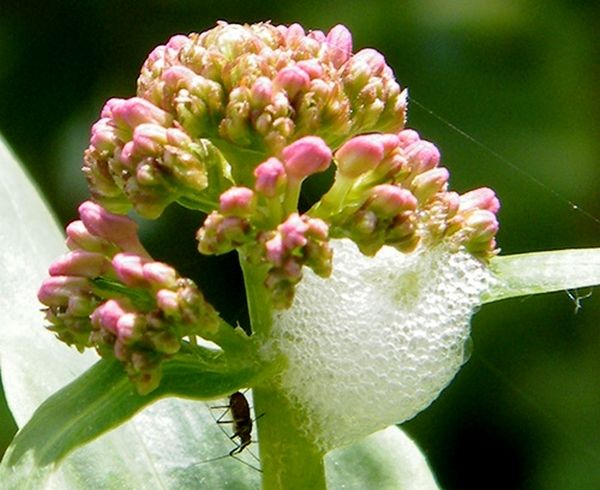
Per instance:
x=234, y=122
x=109, y=294
x=227, y=99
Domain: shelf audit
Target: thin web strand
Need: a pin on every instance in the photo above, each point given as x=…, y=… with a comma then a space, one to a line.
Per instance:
x=571, y=204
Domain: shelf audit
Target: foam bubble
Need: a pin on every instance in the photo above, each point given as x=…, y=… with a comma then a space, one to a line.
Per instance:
x=376, y=342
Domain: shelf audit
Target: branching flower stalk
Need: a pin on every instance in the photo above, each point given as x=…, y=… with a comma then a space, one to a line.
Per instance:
x=359, y=306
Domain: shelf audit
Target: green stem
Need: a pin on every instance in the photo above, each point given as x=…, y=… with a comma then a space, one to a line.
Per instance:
x=289, y=461
x=257, y=297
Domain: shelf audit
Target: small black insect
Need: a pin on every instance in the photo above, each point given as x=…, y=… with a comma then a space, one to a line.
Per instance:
x=242, y=422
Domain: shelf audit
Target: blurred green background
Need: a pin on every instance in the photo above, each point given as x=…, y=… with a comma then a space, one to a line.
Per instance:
x=519, y=76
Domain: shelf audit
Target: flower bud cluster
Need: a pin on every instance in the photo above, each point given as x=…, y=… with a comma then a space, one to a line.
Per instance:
x=247, y=90
x=390, y=190
x=263, y=224
x=298, y=241
x=262, y=86
x=107, y=293
x=138, y=155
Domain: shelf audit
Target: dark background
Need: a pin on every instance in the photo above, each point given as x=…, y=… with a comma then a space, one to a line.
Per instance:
x=519, y=76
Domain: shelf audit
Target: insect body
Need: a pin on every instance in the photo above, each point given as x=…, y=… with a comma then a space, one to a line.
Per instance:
x=241, y=420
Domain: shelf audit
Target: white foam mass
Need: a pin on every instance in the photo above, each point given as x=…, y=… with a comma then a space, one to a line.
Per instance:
x=376, y=342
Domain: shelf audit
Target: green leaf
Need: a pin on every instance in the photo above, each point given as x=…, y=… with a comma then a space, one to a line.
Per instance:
x=104, y=398
x=386, y=460
x=544, y=272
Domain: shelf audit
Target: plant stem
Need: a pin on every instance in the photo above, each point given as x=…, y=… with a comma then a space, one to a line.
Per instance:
x=257, y=297
x=289, y=461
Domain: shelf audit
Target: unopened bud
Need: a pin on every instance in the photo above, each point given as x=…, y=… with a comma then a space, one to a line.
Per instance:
x=339, y=40
x=57, y=290
x=168, y=302
x=423, y=156
x=270, y=177
x=359, y=155
x=305, y=157
x=482, y=198
x=103, y=136
x=130, y=269
x=79, y=263
x=293, y=232
x=293, y=80
x=129, y=113
x=312, y=68
x=429, y=183
x=120, y=230
x=407, y=137
x=237, y=201
x=107, y=316
x=261, y=92
x=159, y=275
x=389, y=200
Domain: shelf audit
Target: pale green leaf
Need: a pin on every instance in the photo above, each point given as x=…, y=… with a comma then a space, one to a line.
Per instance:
x=386, y=460
x=544, y=272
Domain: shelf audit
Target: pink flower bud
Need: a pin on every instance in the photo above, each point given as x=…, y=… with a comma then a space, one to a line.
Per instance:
x=429, y=183
x=130, y=269
x=389, y=200
x=237, y=201
x=160, y=275
x=482, y=198
x=317, y=228
x=372, y=58
x=305, y=157
x=149, y=139
x=293, y=232
x=270, y=177
x=109, y=105
x=56, y=290
x=261, y=92
x=311, y=67
x=423, y=156
x=177, y=77
x=318, y=36
x=293, y=34
x=275, y=250
x=168, y=302
x=79, y=263
x=359, y=155
x=135, y=111
x=120, y=230
x=127, y=155
x=177, y=137
x=408, y=137
x=177, y=42
x=339, y=40
x=127, y=325
x=78, y=237
x=389, y=141
x=107, y=315
x=293, y=80
x=103, y=136
x=483, y=224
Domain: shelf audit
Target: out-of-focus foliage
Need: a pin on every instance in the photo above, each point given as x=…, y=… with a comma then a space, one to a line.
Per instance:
x=519, y=76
